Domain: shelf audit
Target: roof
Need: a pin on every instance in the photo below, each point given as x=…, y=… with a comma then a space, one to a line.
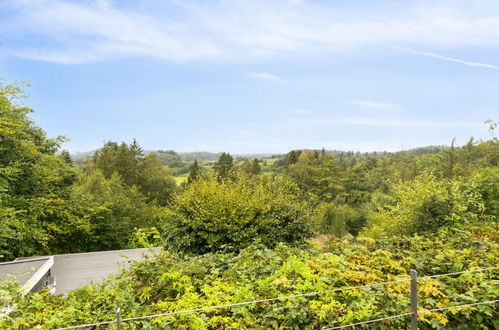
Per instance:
x=27, y=272
x=73, y=271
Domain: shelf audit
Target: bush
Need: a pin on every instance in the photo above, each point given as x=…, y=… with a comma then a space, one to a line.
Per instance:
x=423, y=204
x=210, y=215
x=339, y=219
x=487, y=183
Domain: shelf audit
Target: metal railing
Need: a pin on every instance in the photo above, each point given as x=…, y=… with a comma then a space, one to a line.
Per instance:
x=413, y=313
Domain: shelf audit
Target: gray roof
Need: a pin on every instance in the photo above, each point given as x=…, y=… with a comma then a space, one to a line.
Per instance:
x=26, y=272
x=73, y=271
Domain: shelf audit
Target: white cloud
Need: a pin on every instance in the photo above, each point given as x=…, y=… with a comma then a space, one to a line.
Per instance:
x=383, y=106
x=301, y=111
x=235, y=30
x=263, y=76
x=79, y=32
x=455, y=60
x=390, y=123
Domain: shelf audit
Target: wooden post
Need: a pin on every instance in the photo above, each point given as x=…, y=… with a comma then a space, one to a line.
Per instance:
x=118, y=319
x=414, y=299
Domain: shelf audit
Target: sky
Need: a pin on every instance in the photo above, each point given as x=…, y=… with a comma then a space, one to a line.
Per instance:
x=256, y=76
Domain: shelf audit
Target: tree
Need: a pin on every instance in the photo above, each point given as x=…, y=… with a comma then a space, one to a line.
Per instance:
x=154, y=180
x=255, y=167
x=146, y=172
x=195, y=173
x=32, y=178
x=66, y=157
x=111, y=210
x=224, y=166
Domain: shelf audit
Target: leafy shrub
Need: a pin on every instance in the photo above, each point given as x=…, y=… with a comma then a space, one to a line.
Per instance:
x=145, y=238
x=210, y=215
x=424, y=204
x=487, y=183
x=339, y=219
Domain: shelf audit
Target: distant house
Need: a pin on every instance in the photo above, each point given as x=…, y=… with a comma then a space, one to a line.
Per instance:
x=65, y=272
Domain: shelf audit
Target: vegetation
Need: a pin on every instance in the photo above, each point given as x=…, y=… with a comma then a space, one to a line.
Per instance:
x=212, y=215
x=240, y=229
x=170, y=282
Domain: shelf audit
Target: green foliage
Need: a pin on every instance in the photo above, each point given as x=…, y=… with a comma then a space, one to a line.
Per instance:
x=487, y=184
x=170, y=158
x=170, y=282
x=145, y=238
x=250, y=168
x=424, y=204
x=224, y=166
x=146, y=172
x=339, y=219
x=230, y=214
x=195, y=173
x=434, y=208
x=32, y=178
x=112, y=210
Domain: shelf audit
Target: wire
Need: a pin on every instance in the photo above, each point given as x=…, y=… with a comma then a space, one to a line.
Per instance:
x=308, y=294
x=459, y=306
x=458, y=273
x=407, y=314
x=88, y=325
x=370, y=321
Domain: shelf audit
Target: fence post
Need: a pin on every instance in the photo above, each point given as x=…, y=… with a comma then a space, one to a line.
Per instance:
x=414, y=299
x=118, y=318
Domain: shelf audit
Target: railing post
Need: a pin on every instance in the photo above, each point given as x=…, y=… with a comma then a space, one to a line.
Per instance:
x=414, y=299
x=118, y=318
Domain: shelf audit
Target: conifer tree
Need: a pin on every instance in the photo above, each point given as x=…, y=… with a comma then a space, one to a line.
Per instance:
x=255, y=167
x=195, y=173
x=66, y=157
x=224, y=165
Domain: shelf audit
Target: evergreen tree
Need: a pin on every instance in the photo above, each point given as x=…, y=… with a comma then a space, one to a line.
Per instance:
x=136, y=149
x=255, y=167
x=224, y=165
x=66, y=157
x=195, y=173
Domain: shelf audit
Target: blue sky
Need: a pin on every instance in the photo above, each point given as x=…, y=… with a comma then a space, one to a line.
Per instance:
x=256, y=76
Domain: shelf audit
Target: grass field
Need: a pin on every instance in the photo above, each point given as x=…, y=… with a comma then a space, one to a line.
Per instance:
x=180, y=179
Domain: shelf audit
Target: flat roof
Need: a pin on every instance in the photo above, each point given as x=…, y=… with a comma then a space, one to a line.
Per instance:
x=73, y=271
x=26, y=272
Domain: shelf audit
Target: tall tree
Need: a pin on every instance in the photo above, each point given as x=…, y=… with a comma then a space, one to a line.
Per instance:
x=146, y=172
x=32, y=178
x=224, y=165
x=195, y=173
x=255, y=167
x=66, y=157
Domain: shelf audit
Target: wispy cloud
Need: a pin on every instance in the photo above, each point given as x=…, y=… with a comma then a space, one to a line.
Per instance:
x=301, y=111
x=263, y=76
x=383, y=106
x=455, y=60
x=389, y=123
x=67, y=31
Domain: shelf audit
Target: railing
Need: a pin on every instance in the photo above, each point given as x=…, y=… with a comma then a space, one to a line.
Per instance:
x=413, y=313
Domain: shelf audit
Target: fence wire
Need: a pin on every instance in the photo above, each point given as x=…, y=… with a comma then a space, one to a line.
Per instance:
x=458, y=273
x=308, y=294
x=407, y=314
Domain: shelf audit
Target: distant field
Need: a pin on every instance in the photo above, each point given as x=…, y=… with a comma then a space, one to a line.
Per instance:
x=180, y=179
